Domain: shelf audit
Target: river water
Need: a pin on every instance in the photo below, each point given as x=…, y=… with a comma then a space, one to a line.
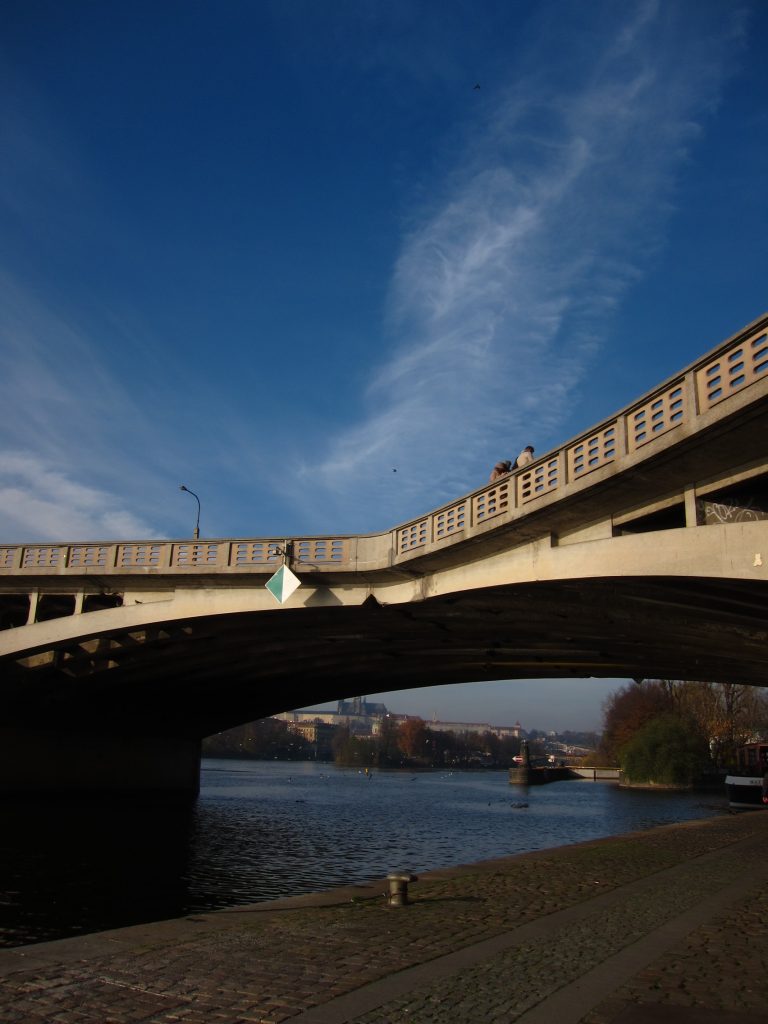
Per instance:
x=263, y=829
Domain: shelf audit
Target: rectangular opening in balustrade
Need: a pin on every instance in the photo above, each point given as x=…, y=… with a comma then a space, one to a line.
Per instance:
x=540, y=480
x=195, y=554
x=655, y=418
x=760, y=354
x=42, y=558
x=732, y=371
x=412, y=537
x=592, y=453
x=84, y=556
x=255, y=552
x=136, y=555
x=450, y=521
x=491, y=502
x=325, y=550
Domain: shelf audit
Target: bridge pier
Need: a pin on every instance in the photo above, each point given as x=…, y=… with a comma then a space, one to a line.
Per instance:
x=41, y=762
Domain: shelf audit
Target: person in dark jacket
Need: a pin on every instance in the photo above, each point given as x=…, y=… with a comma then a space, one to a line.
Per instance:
x=500, y=469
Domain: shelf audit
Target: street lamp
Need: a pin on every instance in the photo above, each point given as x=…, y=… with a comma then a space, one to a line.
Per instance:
x=197, y=524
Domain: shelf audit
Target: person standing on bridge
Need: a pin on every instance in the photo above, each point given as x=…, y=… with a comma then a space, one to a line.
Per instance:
x=525, y=456
x=500, y=469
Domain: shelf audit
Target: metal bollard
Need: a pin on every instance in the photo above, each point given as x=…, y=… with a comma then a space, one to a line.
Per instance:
x=398, y=888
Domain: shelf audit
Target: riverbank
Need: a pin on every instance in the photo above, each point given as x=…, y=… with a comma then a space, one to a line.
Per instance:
x=264, y=830
x=613, y=931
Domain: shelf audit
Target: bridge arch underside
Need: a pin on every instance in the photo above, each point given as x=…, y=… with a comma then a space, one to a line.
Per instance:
x=189, y=679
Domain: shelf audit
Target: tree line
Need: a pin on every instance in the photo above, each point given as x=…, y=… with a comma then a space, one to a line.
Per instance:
x=408, y=744
x=669, y=732
x=412, y=744
x=658, y=731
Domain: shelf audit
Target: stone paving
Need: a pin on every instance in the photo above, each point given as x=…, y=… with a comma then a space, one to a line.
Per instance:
x=722, y=965
x=672, y=917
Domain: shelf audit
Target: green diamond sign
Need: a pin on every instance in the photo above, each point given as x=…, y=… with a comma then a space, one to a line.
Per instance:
x=282, y=584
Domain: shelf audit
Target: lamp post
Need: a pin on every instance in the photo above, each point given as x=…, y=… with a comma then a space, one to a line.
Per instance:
x=197, y=523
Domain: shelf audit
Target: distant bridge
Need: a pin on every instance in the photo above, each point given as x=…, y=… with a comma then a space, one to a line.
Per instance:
x=638, y=549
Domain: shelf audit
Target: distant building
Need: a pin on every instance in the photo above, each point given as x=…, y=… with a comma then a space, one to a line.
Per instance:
x=359, y=707
x=363, y=718
x=360, y=716
x=501, y=731
x=329, y=717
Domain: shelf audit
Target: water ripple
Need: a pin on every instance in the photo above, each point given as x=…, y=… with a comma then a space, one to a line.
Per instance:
x=261, y=830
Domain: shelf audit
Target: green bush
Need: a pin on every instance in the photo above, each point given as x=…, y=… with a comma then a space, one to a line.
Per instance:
x=666, y=751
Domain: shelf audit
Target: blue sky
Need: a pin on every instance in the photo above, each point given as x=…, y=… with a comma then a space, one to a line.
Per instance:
x=275, y=250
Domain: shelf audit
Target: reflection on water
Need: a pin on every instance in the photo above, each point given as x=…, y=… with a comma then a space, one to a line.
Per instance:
x=265, y=829
x=68, y=867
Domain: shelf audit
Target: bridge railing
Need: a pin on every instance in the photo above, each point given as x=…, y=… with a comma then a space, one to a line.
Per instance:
x=694, y=393
x=679, y=401
x=178, y=555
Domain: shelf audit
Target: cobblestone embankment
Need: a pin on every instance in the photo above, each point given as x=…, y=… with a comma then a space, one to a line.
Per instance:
x=619, y=931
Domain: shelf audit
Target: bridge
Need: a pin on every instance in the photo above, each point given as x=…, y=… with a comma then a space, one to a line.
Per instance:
x=637, y=549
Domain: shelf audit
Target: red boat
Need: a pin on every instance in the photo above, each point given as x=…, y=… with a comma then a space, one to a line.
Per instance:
x=747, y=784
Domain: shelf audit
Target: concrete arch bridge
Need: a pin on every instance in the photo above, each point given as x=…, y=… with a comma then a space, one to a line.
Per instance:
x=637, y=549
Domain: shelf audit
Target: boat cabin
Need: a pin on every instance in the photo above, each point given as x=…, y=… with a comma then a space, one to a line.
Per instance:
x=752, y=759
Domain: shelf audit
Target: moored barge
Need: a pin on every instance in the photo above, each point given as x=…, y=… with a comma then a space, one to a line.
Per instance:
x=747, y=784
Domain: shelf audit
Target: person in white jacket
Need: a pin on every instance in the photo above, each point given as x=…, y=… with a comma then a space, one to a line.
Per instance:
x=525, y=456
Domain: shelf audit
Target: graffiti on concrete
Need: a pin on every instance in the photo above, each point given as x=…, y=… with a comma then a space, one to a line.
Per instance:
x=743, y=511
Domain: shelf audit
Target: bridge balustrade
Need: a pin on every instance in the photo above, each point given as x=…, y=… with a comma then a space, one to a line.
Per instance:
x=593, y=452
x=661, y=414
x=680, y=401
x=734, y=369
x=542, y=478
x=718, y=376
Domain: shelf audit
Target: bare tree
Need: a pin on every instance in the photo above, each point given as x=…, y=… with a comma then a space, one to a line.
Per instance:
x=729, y=714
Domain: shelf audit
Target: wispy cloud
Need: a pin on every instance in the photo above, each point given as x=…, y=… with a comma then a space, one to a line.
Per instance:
x=503, y=287
x=550, y=204
x=78, y=452
x=37, y=500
